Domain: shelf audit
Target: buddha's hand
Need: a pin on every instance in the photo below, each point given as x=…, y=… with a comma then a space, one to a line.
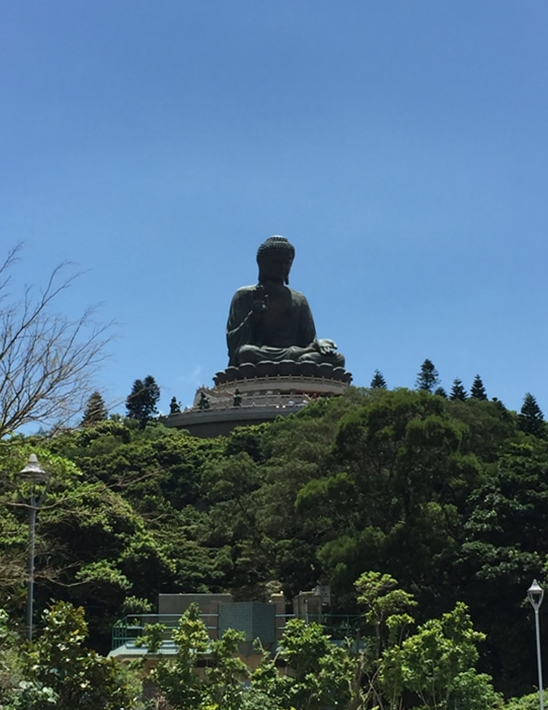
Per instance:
x=259, y=303
x=325, y=346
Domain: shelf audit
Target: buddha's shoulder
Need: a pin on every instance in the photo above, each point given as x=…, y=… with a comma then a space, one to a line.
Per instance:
x=298, y=297
x=243, y=292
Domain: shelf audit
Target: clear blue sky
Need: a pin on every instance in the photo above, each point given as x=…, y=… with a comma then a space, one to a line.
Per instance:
x=400, y=145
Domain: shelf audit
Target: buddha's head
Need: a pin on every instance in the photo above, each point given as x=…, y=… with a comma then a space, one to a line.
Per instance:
x=275, y=257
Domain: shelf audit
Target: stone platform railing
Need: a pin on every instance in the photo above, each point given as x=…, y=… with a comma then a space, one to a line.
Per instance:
x=254, y=400
x=285, y=368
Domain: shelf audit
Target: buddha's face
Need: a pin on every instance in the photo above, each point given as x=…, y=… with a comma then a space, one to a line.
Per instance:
x=275, y=264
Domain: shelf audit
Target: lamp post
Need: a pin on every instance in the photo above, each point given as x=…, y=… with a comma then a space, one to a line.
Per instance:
x=33, y=474
x=536, y=595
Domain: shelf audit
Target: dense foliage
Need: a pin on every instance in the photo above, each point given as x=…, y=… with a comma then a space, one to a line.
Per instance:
x=59, y=671
x=448, y=496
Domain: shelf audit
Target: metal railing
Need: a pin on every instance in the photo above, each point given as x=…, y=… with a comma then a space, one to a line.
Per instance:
x=130, y=628
x=254, y=400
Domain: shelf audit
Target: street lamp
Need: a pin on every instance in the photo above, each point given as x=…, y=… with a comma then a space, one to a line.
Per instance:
x=536, y=595
x=33, y=474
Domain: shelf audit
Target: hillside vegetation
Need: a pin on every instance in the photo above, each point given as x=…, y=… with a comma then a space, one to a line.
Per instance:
x=447, y=496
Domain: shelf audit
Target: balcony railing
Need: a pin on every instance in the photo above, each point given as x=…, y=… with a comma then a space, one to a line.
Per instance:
x=128, y=630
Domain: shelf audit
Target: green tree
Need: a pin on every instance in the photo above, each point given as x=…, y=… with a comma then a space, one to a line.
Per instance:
x=298, y=449
x=477, y=391
x=428, y=377
x=405, y=456
x=382, y=598
x=10, y=664
x=387, y=614
x=490, y=426
x=437, y=664
x=531, y=418
x=95, y=411
x=320, y=673
x=249, y=439
x=180, y=684
x=76, y=676
x=440, y=392
x=505, y=545
x=182, y=687
x=527, y=702
x=458, y=391
x=109, y=531
x=142, y=400
x=378, y=381
x=433, y=492
x=227, y=672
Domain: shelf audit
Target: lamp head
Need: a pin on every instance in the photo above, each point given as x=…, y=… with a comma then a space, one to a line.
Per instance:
x=535, y=594
x=33, y=472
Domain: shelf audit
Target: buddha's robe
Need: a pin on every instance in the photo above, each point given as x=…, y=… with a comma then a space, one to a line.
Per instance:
x=281, y=333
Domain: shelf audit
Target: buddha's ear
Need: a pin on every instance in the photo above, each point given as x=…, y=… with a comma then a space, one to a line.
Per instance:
x=286, y=282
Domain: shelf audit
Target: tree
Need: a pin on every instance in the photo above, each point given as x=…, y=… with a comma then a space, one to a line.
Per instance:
x=505, y=543
x=440, y=392
x=477, y=391
x=184, y=689
x=428, y=376
x=378, y=381
x=458, y=391
x=95, y=411
x=388, y=616
x=531, y=418
x=77, y=677
x=321, y=671
x=407, y=480
x=46, y=360
x=527, y=702
x=437, y=664
x=10, y=663
x=319, y=676
x=141, y=402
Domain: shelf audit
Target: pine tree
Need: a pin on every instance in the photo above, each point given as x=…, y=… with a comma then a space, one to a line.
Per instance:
x=531, y=418
x=440, y=392
x=95, y=411
x=141, y=402
x=477, y=390
x=428, y=376
x=458, y=391
x=378, y=382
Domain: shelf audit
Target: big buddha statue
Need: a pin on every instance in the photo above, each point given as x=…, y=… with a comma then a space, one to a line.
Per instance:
x=270, y=322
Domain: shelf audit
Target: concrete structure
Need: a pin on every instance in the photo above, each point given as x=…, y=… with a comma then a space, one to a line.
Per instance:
x=258, y=620
x=264, y=621
x=260, y=399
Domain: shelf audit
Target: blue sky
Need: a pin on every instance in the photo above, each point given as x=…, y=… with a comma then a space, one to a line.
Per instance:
x=400, y=145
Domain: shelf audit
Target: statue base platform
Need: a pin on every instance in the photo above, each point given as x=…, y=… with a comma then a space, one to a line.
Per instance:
x=284, y=368
x=242, y=401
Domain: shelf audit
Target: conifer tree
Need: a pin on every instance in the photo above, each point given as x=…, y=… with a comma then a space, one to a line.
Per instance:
x=428, y=376
x=378, y=381
x=95, y=410
x=142, y=400
x=477, y=390
x=531, y=418
x=458, y=391
x=440, y=392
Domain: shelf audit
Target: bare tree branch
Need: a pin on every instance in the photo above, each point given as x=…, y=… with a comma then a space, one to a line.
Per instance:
x=47, y=361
